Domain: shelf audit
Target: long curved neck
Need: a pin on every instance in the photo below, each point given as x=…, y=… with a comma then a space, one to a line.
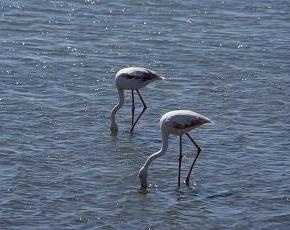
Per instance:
x=159, y=153
x=115, y=109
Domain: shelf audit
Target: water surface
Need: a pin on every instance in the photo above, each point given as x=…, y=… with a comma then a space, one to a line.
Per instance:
x=61, y=168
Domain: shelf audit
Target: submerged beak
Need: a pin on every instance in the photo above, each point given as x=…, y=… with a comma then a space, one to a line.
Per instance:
x=143, y=181
x=114, y=130
x=143, y=184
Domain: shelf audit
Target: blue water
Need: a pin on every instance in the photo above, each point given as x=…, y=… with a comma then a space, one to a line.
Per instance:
x=60, y=167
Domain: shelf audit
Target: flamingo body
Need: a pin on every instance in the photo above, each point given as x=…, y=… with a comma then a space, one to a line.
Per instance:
x=131, y=78
x=135, y=78
x=177, y=122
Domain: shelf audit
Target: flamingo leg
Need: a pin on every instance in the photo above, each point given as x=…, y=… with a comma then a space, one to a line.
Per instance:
x=198, y=152
x=133, y=107
x=144, y=109
x=180, y=158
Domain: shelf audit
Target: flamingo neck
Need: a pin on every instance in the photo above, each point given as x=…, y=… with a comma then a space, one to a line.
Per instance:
x=114, y=126
x=143, y=171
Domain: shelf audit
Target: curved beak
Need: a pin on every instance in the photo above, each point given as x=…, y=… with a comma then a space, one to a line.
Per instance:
x=114, y=131
x=143, y=182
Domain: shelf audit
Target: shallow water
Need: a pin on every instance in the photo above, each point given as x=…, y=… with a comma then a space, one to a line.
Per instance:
x=61, y=168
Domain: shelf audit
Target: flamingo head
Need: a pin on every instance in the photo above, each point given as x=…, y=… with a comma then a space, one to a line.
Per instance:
x=143, y=178
x=114, y=128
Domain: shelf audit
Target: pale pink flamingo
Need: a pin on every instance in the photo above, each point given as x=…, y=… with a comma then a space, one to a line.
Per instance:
x=177, y=122
x=131, y=78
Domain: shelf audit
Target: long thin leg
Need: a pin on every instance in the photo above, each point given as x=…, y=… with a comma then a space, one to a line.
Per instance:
x=144, y=108
x=180, y=158
x=198, y=152
x=133, y=107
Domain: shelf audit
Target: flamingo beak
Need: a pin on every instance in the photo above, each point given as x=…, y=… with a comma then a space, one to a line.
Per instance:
x=144, y=184
x=114, y=130
x=143, y=181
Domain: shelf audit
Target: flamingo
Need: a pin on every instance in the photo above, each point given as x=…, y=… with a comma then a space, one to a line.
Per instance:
x=131, y=78
x=176, y=122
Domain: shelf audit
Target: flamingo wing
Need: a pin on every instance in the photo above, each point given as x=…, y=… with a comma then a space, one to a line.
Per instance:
x=141, y=74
